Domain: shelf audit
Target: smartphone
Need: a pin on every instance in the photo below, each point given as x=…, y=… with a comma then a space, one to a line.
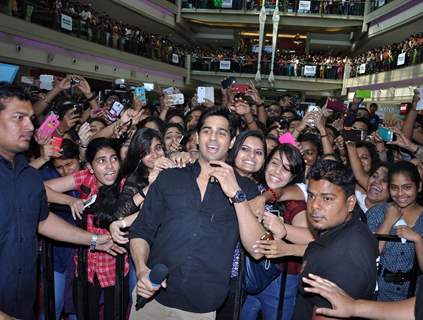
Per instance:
x=419, y=105
x=338, y=106
x=275, y=212
x=88, y=202
x=386, y=134
x=205, y=93
x=240, y=88
x=176, y=99
x=169, y=90
x=184, y=140
x=46, y=81
x=115, y=110
x=353, y=135
x=56, y=142
x=148, y=86
x=50, y=124
x=139, y=93
x=226, y=83
x=313, y=108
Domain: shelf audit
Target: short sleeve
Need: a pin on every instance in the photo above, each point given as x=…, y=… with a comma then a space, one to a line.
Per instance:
x=376, y=216
x=303, y=188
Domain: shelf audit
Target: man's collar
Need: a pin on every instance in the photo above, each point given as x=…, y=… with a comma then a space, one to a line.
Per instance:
x=19, y=162
x=326, y=237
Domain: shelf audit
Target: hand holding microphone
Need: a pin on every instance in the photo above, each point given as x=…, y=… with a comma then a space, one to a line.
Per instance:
x=150, y=282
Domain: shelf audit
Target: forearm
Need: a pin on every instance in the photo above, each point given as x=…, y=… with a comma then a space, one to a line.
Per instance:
x=140, y=250
x=250, y=229
x=251, y=123
x=361, y=177
x=295, y=250
x=410, y=119
x=419, y=252
x=58, y=229
x=42, y=104
x=376, y=310
x=38, y=162
x=57, y=197
x=106, y=132
x=262, y=114
x=298, y=235
x=327, y=146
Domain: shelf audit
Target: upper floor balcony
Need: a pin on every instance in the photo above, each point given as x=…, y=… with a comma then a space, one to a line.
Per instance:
x=338, y=15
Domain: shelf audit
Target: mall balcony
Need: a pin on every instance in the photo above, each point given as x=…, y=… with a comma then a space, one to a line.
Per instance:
x=312, y=79
x=337, y=15
x=32, y=34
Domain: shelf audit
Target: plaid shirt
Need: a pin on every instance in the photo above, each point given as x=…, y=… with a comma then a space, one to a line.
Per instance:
x=99, y=263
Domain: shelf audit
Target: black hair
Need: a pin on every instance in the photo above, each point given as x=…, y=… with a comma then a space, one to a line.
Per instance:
x=240, y=139
x=102, y=121
x=133, y=167
x=313, y=139
x=295, y=160
x=372, y=151
x=334, y=172
x=408, y=169
x=97, y=144
x=362, y=120
x=174, y=113
x=380, y=164
x=8, y=91
x=367, y=111
x=70, y=150
x=173, y=125
x=333, y=129
x=107, y=195
x=159, y=122
x=219, y=111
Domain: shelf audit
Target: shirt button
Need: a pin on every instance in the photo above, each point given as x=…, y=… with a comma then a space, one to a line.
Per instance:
x=194, y=234
x=189, y=257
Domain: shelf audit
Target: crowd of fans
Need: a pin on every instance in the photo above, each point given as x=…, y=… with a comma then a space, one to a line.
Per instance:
x=126, y=156
x=87, y=23
x=327, y=67
x=389, y=57
x=350, y=7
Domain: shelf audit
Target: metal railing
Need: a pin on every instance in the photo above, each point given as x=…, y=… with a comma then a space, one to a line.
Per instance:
x=301, y=69
x=102, y=30
x=349, y=7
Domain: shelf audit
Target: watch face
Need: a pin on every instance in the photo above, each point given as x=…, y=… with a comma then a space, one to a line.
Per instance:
x=240, y=196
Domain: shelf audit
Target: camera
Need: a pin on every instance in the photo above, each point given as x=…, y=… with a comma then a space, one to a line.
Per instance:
x=75, y=82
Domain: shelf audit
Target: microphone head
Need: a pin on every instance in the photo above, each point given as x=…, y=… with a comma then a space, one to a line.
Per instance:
x=158, y=273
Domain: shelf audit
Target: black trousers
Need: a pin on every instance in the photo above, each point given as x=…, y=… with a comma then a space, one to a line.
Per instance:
x=93, y=300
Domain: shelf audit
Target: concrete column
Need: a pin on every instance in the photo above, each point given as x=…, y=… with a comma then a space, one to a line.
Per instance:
x=347, y=71
x=178, y=13
x=307, y=44
x=188, y=69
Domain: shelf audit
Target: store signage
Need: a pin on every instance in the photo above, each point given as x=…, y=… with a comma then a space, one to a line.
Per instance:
x=175, y=58
x=304, y=6
x=362, y=68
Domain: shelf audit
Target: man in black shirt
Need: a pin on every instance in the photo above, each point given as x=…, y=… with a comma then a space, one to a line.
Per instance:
x=345, y=251
x=192, y=226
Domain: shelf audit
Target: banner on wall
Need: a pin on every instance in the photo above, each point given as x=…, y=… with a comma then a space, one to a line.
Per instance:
x=401, y=59
x=362, y=68
x=309, y=71
x=66, y=22
x=225, y=65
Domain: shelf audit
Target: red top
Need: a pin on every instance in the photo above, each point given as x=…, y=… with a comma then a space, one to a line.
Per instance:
x=99, y=263
x=292, y=208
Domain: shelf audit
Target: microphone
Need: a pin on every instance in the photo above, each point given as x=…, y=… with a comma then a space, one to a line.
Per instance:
x=156, y=277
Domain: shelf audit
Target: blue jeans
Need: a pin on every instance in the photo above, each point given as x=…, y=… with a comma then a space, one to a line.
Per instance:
x=267, y=301
x=59, y=296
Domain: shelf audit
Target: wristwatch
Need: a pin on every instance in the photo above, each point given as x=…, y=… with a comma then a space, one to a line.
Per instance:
x=240, y=196
x=93, y=242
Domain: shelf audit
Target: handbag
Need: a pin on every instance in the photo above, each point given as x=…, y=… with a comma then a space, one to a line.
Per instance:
x=258, y=274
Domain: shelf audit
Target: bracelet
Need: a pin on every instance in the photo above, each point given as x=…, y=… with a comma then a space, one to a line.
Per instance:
x=417, y=150
x=322, y=136
x=261, y=105
x=142, y=194
x=274, y=197
x=82, y=146
x=93, y=242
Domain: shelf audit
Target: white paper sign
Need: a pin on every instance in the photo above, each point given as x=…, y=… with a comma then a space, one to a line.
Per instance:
x=175, y=58
x=309, y=71
x=225, y=65
x=66, y=22
x=304, y=6
x=381, y=3
x=401, y=59
x=362, y=68
x=227, y=4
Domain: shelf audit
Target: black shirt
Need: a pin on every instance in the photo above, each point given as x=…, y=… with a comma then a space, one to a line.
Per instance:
x=23, y=204
x=194, y=239
x=345, y=255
